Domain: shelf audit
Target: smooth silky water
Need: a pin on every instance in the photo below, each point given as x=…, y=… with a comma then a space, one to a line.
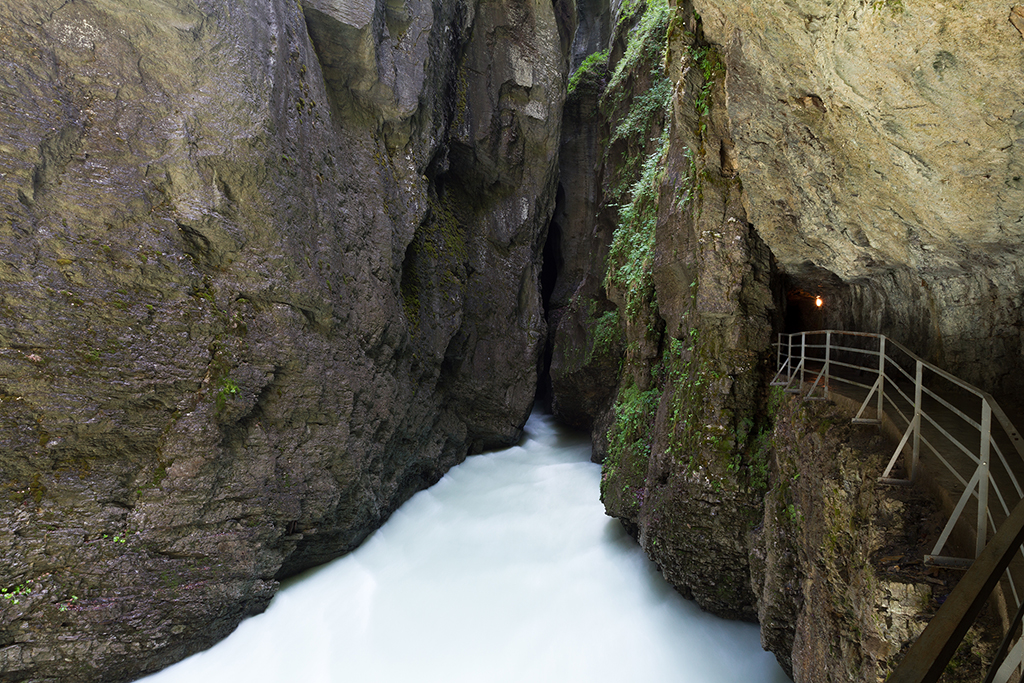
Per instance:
x=505, y=570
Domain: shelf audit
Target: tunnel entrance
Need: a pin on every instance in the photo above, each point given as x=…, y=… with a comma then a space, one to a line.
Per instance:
x=814, y=299
x=804, y=311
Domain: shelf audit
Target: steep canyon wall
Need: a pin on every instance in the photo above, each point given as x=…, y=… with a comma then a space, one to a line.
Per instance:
x=267, y=269
x=741, y=159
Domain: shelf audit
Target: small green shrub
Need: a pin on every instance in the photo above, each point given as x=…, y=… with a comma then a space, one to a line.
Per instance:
x=590, y=74
x=228, y=387
x=14, y=595
x=709, y=63
x=895, y=7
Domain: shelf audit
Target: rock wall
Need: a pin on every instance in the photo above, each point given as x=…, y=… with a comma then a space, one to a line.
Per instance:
x=740, y=160
x=835, y=561
x=681, y=314
x=880, y=146
x=267, y=269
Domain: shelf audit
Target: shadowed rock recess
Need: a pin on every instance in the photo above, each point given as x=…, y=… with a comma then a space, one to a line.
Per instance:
x=266, y=269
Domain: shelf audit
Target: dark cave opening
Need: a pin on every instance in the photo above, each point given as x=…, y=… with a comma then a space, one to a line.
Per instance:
x=814, y=299
x=804, y=310
x=552, y=263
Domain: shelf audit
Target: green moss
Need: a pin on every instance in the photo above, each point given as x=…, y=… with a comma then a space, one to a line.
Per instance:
x=630, y=258
x=170, y=579
x=607, y=333
x=774, y=402
x=629, y=442
x=738, y=447
x=895, y=7
x=159, y=474
x=227, y=388
x=590, y=76
x=647, y=40
x=634, y=419
x=36, y=489
x=692, y=372
x=637, y=102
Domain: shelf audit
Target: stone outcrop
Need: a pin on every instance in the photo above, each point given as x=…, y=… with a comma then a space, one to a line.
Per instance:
x=685, y=307
x=841, y=149
x=267, y=270
x=835, y=561
x=879, y=145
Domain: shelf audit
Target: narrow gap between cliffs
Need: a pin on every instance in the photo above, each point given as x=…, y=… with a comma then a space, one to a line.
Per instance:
x=551, y=268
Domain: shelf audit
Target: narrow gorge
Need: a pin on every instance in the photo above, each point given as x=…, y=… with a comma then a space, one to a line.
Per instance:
x=271, y=267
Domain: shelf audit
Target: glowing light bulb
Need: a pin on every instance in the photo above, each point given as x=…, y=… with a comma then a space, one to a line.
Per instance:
x=818, y=302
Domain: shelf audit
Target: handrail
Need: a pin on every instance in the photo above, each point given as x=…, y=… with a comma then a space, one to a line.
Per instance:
x=925, y=418
x=928, y=655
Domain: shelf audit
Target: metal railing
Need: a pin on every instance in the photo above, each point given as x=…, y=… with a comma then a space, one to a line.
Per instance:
x=960, y=425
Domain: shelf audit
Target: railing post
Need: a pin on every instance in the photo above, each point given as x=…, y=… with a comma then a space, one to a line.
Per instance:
x=918, y=385
x=986, y=430
x=778, y=353
x=790, y=351
x=828, y=356
x=881, y=375
x=803, y=356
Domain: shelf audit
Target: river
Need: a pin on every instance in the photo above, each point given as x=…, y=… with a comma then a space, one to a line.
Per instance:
x=507, y=570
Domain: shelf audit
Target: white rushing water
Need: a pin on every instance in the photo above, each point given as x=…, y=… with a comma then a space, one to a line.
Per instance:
x=506, y=570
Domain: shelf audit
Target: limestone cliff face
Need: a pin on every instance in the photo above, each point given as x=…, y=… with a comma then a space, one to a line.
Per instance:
x=267, y=270
x=880, y=147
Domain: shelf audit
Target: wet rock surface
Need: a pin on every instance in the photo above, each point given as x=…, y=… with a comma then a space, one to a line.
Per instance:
x=836, y=562
x=266, y=271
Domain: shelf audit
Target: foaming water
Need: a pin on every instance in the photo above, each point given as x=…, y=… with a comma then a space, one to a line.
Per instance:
x=505, y=570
